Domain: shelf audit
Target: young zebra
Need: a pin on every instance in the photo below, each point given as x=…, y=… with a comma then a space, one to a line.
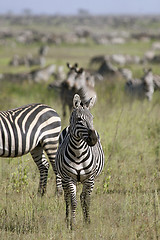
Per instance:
x=79, y=158
x=33, y=128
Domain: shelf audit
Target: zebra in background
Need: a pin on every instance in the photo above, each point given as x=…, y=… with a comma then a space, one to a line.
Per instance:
x=79, y=158
x=42, y=74
x=156, y=78
x=78, y=82
x=33, y=128
x=140, y=88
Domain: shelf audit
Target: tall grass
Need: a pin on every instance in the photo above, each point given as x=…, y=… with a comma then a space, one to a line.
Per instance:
x=126, y=196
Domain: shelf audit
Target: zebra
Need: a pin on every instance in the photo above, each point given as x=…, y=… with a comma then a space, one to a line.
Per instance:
x=68, y=88
x=78, y=82
x=140, y=88
x=156, y=78
x=43, y=50
x=42, y=74
x=33, y=128
x=36, y=61
x=145, y=89
x=107, y=68
x=80, y=158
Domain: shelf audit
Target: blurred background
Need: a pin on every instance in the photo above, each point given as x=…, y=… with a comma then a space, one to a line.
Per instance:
x=101, y=36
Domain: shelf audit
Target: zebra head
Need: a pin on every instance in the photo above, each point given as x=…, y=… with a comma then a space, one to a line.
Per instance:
x=80, y=79
x=70, y=81
x=81, y=122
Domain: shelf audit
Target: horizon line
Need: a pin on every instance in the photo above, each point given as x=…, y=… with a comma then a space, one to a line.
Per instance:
x=78, y=14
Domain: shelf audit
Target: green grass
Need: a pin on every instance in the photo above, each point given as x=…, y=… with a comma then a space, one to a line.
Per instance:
x=125, y=200
x=126, y=196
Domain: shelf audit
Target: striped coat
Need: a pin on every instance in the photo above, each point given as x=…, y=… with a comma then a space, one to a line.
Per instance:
x=80, y=158
x=34, y=128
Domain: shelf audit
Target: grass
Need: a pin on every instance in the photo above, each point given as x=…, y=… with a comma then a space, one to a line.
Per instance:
x=125, y=200
x=126, y=196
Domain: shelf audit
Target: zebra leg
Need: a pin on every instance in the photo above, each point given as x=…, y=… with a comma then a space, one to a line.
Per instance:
x=67, y=200
x=85, y=198
x=59, y=189
x=43, y=166
x=69, y=188
x=51, y=151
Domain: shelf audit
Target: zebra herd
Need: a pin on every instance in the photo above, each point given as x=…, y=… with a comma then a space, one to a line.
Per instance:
x=82, y=82
x=35, y=128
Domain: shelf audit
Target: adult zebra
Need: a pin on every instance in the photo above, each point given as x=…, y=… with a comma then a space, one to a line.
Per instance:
x=33, y=128
x=79, y=158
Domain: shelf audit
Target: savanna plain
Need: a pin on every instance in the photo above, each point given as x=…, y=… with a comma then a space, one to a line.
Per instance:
x=125, y=203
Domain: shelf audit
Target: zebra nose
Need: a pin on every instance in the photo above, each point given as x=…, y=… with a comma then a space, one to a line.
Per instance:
x=92, y=137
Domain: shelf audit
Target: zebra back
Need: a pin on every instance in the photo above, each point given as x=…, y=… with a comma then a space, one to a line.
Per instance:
x=22, y=129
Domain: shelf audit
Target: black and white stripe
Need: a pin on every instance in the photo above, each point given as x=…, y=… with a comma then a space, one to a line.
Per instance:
x=80, y=158
x=33, y=128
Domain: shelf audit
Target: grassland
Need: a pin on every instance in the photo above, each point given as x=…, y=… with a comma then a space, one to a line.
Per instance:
x=126, y=196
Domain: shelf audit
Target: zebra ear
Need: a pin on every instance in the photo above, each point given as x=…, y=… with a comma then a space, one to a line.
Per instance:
x=75, y=65
x=76, y=101
x=79, y=71
x=68, y=65
x=90, y=102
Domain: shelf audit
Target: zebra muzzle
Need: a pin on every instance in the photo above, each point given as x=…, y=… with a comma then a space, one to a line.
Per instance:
x=92, y=137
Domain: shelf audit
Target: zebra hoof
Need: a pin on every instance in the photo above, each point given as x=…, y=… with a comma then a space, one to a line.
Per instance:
x=73, y=226
x=41, y=192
